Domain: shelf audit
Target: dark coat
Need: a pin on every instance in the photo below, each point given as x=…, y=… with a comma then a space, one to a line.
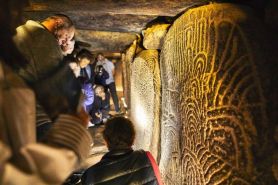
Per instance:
x=85, y=78
x=100, y=106
x=121, y=167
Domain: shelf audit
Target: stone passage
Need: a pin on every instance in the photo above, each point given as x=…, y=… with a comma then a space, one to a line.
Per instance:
x=215, y=126
x=145, y=101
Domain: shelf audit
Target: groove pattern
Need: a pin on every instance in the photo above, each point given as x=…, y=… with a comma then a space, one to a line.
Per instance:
x=145, y=102
x=213, y=108
x=127, y=60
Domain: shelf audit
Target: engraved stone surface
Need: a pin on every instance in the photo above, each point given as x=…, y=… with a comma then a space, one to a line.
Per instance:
x=215, y=127
x=129, y=57
x=145, y=101
x=154, y=35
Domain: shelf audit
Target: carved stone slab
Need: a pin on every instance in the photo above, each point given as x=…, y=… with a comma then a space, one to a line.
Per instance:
x=215, y=127
x=154, y=36
x=145, y=100
x=128, y=59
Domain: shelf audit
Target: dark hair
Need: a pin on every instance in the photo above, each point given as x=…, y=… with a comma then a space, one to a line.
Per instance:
x=99, y=87
x=66, y=21
x=84, y=53
x=100, y=54
x=119, y=133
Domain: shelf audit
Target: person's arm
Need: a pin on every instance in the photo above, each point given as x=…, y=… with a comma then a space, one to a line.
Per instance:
x=51, y=166
x=68, y=143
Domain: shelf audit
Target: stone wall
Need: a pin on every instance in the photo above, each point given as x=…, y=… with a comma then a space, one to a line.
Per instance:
x=145, y=100
x=126, y=61
x=216, y=127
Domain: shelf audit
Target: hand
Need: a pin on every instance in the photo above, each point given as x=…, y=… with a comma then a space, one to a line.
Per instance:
x=98, y=115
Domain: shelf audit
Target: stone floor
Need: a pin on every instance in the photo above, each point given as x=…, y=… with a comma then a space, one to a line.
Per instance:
x=98, y=147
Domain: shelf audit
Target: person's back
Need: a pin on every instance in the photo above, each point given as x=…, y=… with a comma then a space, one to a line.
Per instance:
x=40, y=44
x=121, y=165
x=40, y=48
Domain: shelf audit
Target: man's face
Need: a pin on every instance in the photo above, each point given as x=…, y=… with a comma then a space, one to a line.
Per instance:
x=100, y=58
x=68, y=48
x=65, y=36
x=100, y=93
x=84, y=62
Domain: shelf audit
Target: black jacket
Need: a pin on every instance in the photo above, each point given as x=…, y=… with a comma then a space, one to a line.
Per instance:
x=121, y=167
x=85, y=77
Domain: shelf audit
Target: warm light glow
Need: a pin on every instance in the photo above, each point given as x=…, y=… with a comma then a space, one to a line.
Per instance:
x=140, y=116
x=124, y=103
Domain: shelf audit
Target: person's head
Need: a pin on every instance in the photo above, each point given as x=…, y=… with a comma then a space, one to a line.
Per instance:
x=75, y=68
x=62, y=28
x=100, y=57
x=10, y=18
x=99, y=91
x=84, y=58
x=68, y=48
x=119, y=133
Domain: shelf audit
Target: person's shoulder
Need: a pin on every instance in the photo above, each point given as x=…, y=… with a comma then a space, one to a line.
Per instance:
x=31, y=24
x=35, y=31
x=108, y=61
x=139, y=152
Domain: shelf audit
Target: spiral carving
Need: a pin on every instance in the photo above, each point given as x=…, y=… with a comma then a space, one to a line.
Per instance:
x=213, y=108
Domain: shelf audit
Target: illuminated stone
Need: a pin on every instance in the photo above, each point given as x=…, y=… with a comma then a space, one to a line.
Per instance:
x=145, y=100
x=153, y=36
x=215, y=128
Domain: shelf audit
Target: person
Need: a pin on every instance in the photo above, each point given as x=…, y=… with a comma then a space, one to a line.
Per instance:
x=68, y=48
x=23, y=160
x=101, y=75
x=87, y=77
x=110, y=82
x=100, y=111
x=87, y=65
x=41, y=44
x=122, y=165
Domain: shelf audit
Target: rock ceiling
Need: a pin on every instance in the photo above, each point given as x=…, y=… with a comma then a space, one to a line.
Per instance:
x=108, y=25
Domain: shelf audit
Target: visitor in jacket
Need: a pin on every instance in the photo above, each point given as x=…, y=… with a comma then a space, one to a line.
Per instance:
x=122, y=165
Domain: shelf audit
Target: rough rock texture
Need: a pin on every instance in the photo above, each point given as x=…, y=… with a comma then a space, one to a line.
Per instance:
x=154, y=36
x=105, y=21
x=128, y=59
x=105, y=41
x=216, y=127
x=136, y=7
x=145, y=101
